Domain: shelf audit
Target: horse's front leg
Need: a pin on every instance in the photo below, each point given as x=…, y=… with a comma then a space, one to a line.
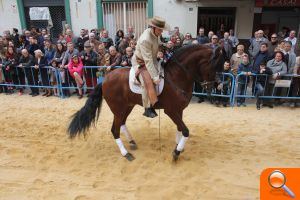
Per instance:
x=177, y=119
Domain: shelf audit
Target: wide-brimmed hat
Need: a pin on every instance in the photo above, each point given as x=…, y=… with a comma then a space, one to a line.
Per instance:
x=158, y=22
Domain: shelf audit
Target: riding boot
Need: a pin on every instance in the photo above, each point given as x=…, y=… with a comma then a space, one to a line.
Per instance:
x=150, y=112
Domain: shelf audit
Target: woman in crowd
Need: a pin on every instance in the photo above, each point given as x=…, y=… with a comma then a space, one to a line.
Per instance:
x=9, y=68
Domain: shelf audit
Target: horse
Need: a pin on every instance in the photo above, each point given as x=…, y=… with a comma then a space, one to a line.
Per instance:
x=188, y=64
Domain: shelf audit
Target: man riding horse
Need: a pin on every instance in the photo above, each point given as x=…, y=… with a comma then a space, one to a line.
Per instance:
x=145, y=63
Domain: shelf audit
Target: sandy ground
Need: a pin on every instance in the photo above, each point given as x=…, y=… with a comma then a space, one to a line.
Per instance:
x=227, y=150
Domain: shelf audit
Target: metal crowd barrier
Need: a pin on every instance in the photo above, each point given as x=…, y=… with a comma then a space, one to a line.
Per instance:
x=21, y=77
x=279, y=89
x=92, y=75
x=226, y=92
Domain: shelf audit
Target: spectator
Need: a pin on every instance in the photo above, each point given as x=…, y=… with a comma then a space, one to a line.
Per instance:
x=187, y=39
x=69, y=54
x=81, y=40
x=293, y=39
x=220, y=33
x=59, y=53
x=256, y=43
x=69, y=37
x=223, y=84
x=177, y=33
x=261, y=81
x=130, y=32
x=272, y=45
x=27, y=61
x=245, y=70
x=214, y=42
x=236, y=59
x=75, y=68
x=93, y=41
x=228, y=46
x=89, y=58
x=132, y=44
x=40, y=65
x=16, y=37
x=278, y=68
x=23, y=43
x=9, y=65
x=65, y=77
x=114, y=58
x=126, y=59
x=33, y=45
x=296, y=84
x=280, y=47
x=233, y=38
x=106, y=39
x=123, y=45
x=169, y=51
x=297, y=46
x=27, y=34
x=289, y=57
x=118, y=38
x=201, y=38
x=53, y=79
x=261, y=56
x=49, y=51
x=210, y=34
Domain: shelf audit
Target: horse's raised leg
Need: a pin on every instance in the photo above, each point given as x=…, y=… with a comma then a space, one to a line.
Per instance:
x=177, y=119
x=125, y=131
x=116, y=133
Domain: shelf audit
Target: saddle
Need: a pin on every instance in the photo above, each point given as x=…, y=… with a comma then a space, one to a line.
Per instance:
x=135, y=84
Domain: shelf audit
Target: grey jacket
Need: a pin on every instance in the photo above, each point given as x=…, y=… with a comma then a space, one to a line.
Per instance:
x=292, y=62
x=68, y=56
x=277, y=67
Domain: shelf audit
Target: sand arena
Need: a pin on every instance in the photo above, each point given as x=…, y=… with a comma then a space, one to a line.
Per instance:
x=223, y=159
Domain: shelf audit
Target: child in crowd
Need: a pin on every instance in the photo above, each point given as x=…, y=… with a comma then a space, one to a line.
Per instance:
x=53, y=78
x=75, y=68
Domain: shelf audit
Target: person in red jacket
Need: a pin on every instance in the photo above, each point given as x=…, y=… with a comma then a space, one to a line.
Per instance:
x=75, y=68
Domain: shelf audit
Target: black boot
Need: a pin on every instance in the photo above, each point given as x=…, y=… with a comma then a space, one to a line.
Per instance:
x=150, y=112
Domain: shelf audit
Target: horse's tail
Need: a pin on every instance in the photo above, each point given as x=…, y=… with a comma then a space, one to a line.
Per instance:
x=88, y=114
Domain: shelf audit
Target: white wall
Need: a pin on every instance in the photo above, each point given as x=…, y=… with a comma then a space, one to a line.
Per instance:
x=83, y=15
x=9, y=16
x=177, y=13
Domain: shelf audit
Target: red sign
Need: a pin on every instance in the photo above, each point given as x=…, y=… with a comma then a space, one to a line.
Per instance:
x=277, y=3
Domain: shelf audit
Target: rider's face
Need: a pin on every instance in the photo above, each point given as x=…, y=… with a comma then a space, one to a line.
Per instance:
x=158, y=31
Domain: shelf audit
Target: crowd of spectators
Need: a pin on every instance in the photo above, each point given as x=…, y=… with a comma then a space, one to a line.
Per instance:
x=274, y=56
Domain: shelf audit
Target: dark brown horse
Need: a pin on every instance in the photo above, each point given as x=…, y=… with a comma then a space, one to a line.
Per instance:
x=188, y=64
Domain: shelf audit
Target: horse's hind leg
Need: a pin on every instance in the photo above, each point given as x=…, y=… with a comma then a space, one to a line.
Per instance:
x=125, y=131
x=116, y=133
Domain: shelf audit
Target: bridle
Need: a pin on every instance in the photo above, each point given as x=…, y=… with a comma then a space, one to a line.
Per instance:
x=205, y=84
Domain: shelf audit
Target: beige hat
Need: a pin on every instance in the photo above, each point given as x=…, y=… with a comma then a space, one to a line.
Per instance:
x=158, y=22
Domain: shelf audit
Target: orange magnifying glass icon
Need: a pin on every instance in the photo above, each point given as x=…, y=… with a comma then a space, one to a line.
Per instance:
x=277, y=180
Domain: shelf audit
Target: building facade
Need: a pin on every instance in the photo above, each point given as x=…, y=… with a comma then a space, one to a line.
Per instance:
x=244, y=16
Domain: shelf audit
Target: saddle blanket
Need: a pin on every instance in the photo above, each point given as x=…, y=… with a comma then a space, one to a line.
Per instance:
x=135, y=85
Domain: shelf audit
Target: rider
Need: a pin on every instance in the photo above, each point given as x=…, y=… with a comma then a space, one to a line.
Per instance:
x=145, y=56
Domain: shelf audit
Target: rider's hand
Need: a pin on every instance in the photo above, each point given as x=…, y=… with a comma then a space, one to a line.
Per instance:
x=156, y=82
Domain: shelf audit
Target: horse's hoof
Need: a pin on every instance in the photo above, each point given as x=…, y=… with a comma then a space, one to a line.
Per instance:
x=132, y=145
x=175, y=155
x=129, y=157
x=181, y=150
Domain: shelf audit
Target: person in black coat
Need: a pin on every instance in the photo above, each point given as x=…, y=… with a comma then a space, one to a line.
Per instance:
x=261, y=82
x=26, y=62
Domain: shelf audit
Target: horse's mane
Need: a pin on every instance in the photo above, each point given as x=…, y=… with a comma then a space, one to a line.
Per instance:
x=181, y=50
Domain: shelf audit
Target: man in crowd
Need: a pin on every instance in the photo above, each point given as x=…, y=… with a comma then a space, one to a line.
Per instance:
x=201, y=38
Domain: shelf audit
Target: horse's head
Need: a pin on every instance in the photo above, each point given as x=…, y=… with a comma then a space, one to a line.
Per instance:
x=209, y=62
